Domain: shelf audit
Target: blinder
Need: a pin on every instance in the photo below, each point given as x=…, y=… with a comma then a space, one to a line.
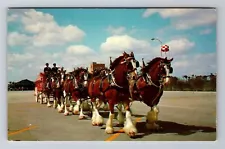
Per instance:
x=171, y=70
x=137, y=64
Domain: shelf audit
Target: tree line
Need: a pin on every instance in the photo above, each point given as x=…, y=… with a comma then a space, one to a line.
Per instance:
x=186, y=83
x=192, y=83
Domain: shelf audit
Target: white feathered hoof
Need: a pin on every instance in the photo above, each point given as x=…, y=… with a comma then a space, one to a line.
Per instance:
x=49, y=105
x=109, y=130
x=131, y=133
x=60, y=110
x=130, y=130
x=81, y=117
x=99, y=120
x=94, y=123
x=66, y=113
x=71, y=108
x=75, y=112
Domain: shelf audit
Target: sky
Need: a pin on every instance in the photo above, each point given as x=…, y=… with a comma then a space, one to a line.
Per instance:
x=76, y=37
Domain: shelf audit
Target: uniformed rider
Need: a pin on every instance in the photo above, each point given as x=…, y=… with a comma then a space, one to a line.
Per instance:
x=47, y=72
x=54, y=69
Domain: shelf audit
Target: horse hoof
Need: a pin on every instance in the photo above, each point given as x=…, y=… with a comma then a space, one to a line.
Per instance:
x=66, y=113
x=82, y=117
x=75, y=112
x=94, y=124
x=131, y=133
x=99, y=124
x=109, y=130
x=60, y=111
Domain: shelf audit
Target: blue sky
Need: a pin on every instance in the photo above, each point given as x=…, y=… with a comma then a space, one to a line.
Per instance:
x=76, y=37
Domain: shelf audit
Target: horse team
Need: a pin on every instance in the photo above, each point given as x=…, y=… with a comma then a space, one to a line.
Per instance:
x=118, y=86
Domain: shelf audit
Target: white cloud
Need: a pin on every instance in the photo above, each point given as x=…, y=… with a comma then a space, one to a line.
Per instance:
x=15, y=38
x=46, y=31
x=206, y=31
x=116, y=30
x=185, y=18
x=120, y=43
x=179, y=46
x=200, y=64
x=80, y=50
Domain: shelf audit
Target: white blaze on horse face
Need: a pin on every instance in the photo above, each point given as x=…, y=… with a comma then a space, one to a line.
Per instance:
x=62, y=76
x=58, y=85
x=133, y=62
x=85, y=79
x=167, y=74
x=75, y=82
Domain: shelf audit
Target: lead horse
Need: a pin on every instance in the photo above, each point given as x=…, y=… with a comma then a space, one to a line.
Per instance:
x=148, y=87
x=123, y=69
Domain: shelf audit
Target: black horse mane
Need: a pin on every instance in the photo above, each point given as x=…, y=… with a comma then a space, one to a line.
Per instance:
x=97, y=72
x=78, y=70
x=151, y=63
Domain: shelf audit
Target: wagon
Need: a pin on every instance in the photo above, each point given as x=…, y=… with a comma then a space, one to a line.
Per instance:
x=39, y=86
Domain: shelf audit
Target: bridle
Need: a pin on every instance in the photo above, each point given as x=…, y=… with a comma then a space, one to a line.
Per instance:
x=127, y=61
x=161, y=66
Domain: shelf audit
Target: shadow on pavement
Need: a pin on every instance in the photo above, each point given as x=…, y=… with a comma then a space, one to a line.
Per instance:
x=172, y=127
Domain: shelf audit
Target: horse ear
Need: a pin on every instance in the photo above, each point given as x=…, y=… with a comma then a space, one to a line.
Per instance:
x=170, y=60
x=124, y=53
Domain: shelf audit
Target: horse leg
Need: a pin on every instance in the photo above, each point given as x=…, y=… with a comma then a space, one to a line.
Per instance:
x=44, y=99
x=97, y=119
x=48, y=100
x=54, y=99
x=109, y=124
x=62, y=101
x=129, y=127
x=66, y=112
x=152, y=118
x=77, y=106
x=120, y=116
x=41, y=98
x=105, y=107
x=58, y=104
x=71, y=107
x=82, y=116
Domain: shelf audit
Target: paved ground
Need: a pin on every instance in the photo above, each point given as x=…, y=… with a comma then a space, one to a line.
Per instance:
x=185, y=116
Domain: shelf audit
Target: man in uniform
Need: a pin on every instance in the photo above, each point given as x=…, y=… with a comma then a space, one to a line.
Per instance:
x=54, y=69
x=47, y=72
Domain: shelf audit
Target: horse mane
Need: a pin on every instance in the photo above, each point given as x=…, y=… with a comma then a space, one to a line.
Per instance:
x=96, y=72
x=116, y=61
x=151, y=63
x=78, y=70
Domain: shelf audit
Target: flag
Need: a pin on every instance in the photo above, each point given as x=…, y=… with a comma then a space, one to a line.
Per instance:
x=164, y=48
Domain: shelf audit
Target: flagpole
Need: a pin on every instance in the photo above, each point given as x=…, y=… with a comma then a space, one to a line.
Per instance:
x=160, y=43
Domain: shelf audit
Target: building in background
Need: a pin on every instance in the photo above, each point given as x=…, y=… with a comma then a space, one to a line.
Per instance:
x=94, y=66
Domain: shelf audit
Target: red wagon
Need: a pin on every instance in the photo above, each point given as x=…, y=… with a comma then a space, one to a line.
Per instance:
x=39, y=87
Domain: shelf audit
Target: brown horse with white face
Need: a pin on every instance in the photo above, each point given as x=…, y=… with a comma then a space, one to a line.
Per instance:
x=60, y=100
x=56, y=89
x=115, y=89
x=76, y=88
x=148, y=87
